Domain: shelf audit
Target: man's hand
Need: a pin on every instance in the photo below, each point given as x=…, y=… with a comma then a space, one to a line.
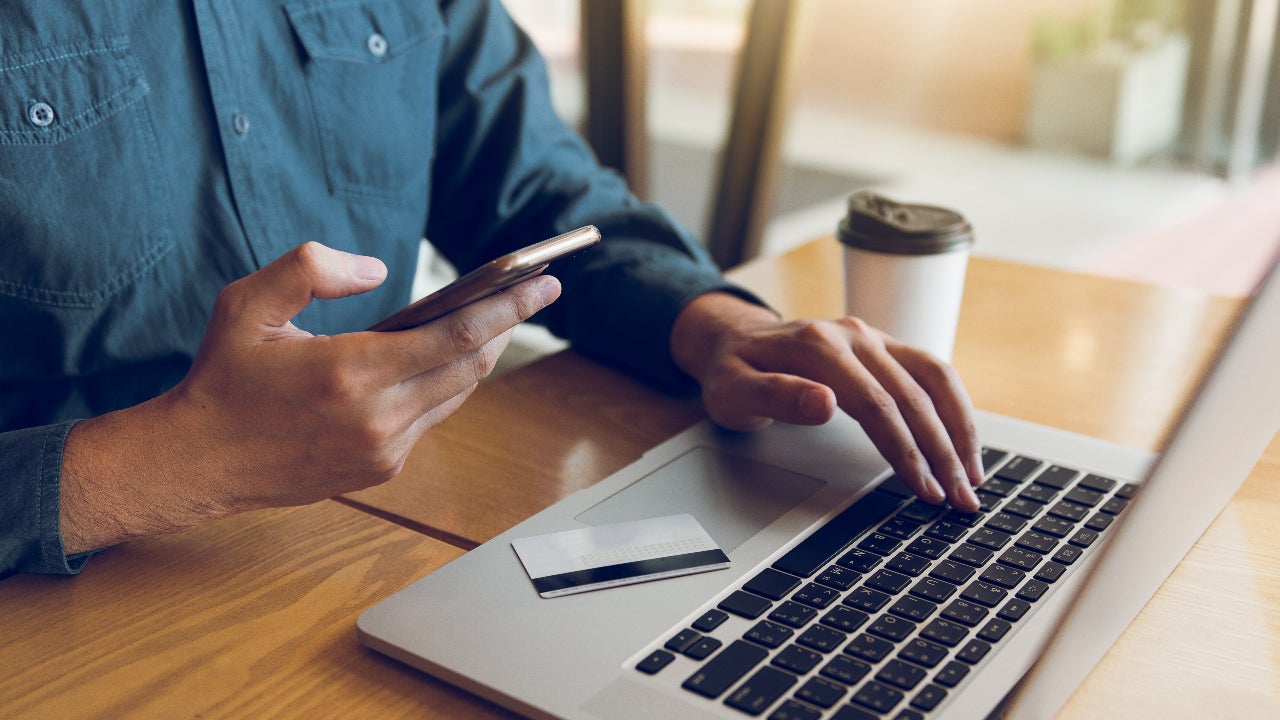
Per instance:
x=755, y=369
x=270, y=415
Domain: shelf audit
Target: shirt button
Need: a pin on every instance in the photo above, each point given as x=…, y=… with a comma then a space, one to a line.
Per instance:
x=40, y=114
x=377, y=45
x=240, y=122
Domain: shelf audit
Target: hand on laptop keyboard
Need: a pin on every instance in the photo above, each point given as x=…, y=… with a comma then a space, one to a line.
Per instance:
x=755, y=368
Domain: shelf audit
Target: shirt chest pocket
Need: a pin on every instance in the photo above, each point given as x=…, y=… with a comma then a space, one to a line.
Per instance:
x=81, y=215
x=371, y=74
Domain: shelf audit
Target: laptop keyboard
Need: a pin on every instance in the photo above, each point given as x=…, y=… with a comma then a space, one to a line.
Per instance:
x=884, y=610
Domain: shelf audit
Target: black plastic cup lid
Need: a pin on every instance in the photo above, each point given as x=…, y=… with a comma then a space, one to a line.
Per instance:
x=876, y=223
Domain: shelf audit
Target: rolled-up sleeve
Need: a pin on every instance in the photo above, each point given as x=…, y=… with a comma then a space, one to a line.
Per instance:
x=31, y=465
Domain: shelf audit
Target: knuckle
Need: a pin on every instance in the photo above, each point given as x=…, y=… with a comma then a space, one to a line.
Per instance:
x=877, y=404
x=465, y=334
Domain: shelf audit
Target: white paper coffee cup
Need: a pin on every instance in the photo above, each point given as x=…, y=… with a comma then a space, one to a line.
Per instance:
x=904, y=269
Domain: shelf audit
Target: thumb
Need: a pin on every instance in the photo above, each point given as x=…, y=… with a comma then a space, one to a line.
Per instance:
x=275, y=294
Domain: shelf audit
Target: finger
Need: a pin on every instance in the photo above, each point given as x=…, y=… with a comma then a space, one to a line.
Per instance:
x=926, y=426
x=275, y=294
x=951, y=401
x=743, y=398
x=406, y=353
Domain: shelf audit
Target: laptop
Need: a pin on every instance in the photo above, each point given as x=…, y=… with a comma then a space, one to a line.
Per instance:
x=839, y=594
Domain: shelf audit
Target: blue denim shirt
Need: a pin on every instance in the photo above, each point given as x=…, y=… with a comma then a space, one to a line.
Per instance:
x=153, y=151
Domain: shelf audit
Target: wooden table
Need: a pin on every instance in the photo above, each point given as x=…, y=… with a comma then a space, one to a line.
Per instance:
x=254, y=616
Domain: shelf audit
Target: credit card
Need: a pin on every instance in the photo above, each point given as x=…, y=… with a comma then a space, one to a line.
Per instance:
x=605, y=556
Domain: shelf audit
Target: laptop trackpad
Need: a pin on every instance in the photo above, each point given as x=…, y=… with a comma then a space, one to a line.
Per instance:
x=733, y=498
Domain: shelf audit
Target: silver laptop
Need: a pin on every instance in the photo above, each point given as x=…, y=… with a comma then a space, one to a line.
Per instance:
x=843, y=596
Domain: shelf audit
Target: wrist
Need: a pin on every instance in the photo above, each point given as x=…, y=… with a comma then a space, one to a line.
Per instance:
x=706, y=322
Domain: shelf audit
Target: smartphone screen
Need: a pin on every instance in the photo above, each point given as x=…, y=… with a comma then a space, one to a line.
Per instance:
x=490, y=278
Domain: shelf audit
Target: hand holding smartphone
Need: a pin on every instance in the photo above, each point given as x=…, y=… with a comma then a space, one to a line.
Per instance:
x=490, y=278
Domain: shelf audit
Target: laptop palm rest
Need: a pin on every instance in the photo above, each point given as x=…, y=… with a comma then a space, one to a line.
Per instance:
x=732, y=497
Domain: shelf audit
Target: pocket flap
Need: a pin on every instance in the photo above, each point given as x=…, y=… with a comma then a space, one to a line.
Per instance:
x=48, y=96
x=369, y=31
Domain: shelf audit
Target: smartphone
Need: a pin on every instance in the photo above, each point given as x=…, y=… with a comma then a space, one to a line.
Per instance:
x=490, y=278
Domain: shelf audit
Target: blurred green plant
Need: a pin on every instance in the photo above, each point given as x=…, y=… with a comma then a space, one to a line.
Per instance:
x=1124, y=23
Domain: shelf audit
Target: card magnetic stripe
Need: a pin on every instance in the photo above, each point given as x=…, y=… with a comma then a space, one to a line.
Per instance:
x=627, y=570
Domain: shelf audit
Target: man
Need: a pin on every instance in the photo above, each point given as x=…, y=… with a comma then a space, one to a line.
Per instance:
x=162, y=164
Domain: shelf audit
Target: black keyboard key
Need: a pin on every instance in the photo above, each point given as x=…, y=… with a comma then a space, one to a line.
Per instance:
x=1069, y=511
x=1042, y=494
x=1000, y=486
x=935, y=590
x=793, y=614
x=1003, y=576
x=923, y=653
x=952, y=572
x=792, y=710
x=1022, y=507
x=888, y=581
x=1033, y=590
x=992, y=457
x=772, y=584
x=828, y=541
x=846, y=669
x=845, y=619
x=945, y=632
x=1057, y=477
x=913, y=608
x=821, y=638
x=929, y=697
x=951, y=674
x=989, y=538
x=1043, y=544
x=1098, y=483
x=920, y=512
x=760, y=691
x=815, y=596
x=1084, y=538
x=984, y=593
x=966, y=519
x=768, y=634
x=973, y=651
x=880, y=544
x=1018, y=469
x=657, y=660
x=864, y=598
x=1127, y=491
x=859, y=560
x=892, y=628
x=849, y=712
x=1014, y=610
x=797, y=659
x=1005, y=522
x=994, y=631
x=878, y=697
x=1114, y=506
x=1051, y=572
x=965, y=612
x=725, y=669
x=1054, y=526
x=931, y=548
x=1099, y=522
x=947, y=531
x=894, y=486
x=1083, y=496
x=710, y=621
x=821, y=692
x=987, y=501
x=682, y=641
x=1068, y=554
x=702, y=649
x=908, y=564
x=837, y=577
x=899, y=527
x=745, y=604
x=972, y=555
x=901, y=674
x=1020, y=558
x=869, y=648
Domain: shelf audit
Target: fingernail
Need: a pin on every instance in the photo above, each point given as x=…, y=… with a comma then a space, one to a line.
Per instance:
x=976, y=465
x=933, y=489
x=550, y=289
x=813, y=405
x=368, y=268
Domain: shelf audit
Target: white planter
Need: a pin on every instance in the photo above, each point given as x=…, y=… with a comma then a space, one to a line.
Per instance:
x=1119, y=103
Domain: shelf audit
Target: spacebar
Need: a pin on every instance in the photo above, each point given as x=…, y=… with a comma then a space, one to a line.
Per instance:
x=821, y=547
